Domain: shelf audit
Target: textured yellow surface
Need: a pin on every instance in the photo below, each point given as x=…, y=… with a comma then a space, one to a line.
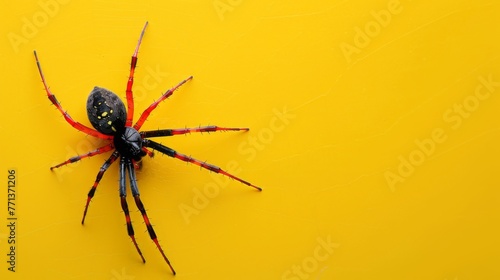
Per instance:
x=374, y=133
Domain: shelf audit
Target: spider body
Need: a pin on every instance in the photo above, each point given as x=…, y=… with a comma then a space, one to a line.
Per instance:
x=128, y=142
x=106, y=111
x=114, y=122
x=108, y=115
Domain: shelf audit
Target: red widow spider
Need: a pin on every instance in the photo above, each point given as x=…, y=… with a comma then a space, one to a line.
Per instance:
x=113, y=122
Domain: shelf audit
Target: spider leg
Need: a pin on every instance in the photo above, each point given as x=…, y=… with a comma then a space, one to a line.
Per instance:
x=67, y=117
x=151, y=107
x=130, y=95
x=172, y=153
x=103, y=169
x=179, y=131
x=97, y=151
x=123, y=198
x=138, y=202
x=148, y=152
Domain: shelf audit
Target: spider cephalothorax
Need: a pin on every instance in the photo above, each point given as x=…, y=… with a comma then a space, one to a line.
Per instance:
x=128, y=143
x=113, y=122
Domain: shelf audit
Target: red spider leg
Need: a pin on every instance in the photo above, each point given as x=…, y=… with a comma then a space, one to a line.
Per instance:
x=148, y=152
x=130, y=95
x=179, y=131
x=138, y=202
x=172, y=153
x=123, y=199
x=151, y=107
x=67, y=117
x=97, y=151
x=103, y=169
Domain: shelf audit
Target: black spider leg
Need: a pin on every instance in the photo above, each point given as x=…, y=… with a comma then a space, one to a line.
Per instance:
x=103, y=169
x=180, y=131
x=172, y=153
x=138, y=202
x=123, y=199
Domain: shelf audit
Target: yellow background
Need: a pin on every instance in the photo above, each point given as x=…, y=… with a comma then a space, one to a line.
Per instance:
x=356, y=137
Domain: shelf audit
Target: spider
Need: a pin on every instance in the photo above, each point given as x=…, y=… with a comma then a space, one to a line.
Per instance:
x=113, y=122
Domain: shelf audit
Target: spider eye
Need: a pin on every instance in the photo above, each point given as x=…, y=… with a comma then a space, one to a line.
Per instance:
x=106, y=111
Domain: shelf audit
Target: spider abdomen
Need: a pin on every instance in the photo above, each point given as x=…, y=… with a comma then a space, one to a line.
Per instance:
x=106, y=111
